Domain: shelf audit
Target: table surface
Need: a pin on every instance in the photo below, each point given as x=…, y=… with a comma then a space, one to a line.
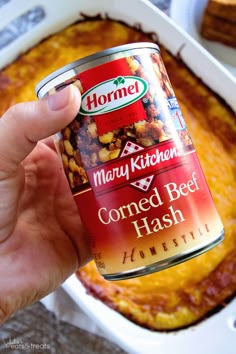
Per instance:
x=37, y=330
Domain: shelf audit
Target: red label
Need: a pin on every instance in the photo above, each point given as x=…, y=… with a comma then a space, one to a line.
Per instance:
x=115, y=74
x=131, y=229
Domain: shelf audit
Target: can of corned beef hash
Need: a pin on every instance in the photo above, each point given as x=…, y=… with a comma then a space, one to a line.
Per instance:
x=131, y=164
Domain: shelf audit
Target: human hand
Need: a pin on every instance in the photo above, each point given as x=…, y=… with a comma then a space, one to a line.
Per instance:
x=42, y=240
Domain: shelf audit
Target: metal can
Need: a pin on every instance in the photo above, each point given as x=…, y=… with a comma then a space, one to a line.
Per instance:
x=131, y=164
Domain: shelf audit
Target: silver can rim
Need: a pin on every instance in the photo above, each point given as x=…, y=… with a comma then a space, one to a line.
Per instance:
x=91, y=57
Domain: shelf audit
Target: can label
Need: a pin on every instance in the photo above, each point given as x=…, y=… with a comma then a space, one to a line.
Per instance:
x=132, y=167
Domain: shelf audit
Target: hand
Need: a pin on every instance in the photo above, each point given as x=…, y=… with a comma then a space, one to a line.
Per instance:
x=42, y=240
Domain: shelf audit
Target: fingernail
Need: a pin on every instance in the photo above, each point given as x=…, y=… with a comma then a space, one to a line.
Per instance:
x=60, y=99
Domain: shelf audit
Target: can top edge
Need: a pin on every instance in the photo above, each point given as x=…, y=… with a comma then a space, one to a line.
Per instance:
x=103, y=53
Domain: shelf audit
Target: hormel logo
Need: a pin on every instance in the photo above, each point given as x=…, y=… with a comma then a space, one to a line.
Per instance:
x=113, y=94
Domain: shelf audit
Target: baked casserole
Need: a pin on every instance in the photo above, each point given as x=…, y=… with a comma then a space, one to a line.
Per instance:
x=184, y=294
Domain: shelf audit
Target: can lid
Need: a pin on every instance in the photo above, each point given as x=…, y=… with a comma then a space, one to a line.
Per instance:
x=103, y=53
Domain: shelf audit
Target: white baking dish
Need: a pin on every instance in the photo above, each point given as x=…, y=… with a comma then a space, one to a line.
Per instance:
x=216, y=335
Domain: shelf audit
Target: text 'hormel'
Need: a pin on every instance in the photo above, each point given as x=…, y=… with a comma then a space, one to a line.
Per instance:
x=113, y=94
x=93, y=101
x=133, y=167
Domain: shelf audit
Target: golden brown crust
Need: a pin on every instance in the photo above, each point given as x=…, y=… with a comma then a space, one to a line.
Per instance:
x=181, y=295
x=165, y=311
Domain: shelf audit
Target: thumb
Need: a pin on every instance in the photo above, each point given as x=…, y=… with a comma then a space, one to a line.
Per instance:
x=24, y=124
x=21, y=127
